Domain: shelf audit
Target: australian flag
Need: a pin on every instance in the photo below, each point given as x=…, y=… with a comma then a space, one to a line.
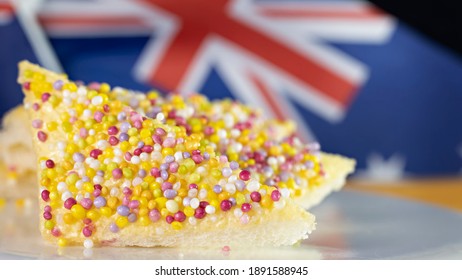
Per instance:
x=353, y=77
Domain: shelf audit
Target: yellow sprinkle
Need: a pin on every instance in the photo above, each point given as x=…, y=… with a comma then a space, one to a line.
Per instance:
x=106, y=211
x=68, y=218
x=122, y=222
x=93, y=215
x=177, y=225
x=49, y=225
x=62, y=242
x=78, y=211
x=144, y=220
x=112, y=202
x=188, y=211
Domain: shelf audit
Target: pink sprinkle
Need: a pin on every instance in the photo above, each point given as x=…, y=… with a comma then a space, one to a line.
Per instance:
x=160, y=131
x=95, y=153
x=244, y=175
x=127, y=191
x=223, y=159
x=117, y=173
x=128, y=156
x=193, y=186
x=134, y=204
x=42, y=136
x=246, y=207
x=173, y=168
x=98, y=116
x=154, y=215
x=197, y=159
x=275, y=195
x=49, y=163
x=113, y=130
x=47, y=208
x=87, y=221
x=26, y=85
x=179, y=216
x=86, y=203
x=126, y=200
x=245, y=219
x=157, y=139
x=113, y=140
x=96, y=193
x=137, y=152
x=37, y=124
x=226, y=249
x=73, y=120
x=56, y=232
x=199, y=213
x=169, y=219
x=255, y=196
x=106, y=108
x=35, y=107
x=87, y=231
x=226, y=205
x=98, y=187
x=45, y=97
x=203, y=204
x=196, y=152
x=169, y=142
x=83, y=132
x=45, y=195
x=155, y=172
x=209, y=130
x=147, y=149
x=138, y=124
x=166, y=186
x=69, y=203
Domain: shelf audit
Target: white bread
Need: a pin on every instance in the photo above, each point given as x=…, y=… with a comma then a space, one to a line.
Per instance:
x=271, y=223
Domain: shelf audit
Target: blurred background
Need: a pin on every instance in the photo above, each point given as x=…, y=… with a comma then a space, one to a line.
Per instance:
x=378, y=81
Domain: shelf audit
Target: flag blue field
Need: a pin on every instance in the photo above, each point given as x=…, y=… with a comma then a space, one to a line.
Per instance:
x=354, y=78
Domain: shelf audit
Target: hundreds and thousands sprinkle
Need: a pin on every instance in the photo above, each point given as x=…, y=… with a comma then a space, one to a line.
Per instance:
x=147, y=158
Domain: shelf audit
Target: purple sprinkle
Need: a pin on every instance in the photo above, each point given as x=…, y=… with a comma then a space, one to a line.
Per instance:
x=226, y=172
x=284, y=176
x=169, y=159
x=169, y=142
x=123, y=137
x=140, y=145
x=100, y=173
x=186, y=155
x=134, y=102
x=113, y=228
x=309, y=164
x=99, y=202
x=154, y=215
x=233, y=200
x=132, y=218
x=85, y=179
x=234, y=165
x=78, y=157
x=121, y=116
x=123, y=210
x=142, y=173
x=58, y=85
x=240, y=185
x=125, y=126
x=217, y=189
x=164, y=166
x=164, y=175
x=206, y=155
x=170, y=194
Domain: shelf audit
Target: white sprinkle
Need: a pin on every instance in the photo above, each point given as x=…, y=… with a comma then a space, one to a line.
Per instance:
x=135, y=160
x=235, y=133
x=230, y=188
x=107, y=161
x=179, y=156
x=61, y=145
x=232, y=179
x=194, y=203
x=222, y=133
x=117, y=152
x=176, y=186
x=98, y=180
x=91, y=132
x=245, y=219
x=89, y=160
x=87, y=195
x=137, y=181
x=87, y=113
x=67, y=101
x=66, y=195
x=192, y=193
x=209, y=209
x=114, y=192
x=102, y=144
x=201, y=170
x=279, y=204
x=272, y=161
x=80, y=91
x=62, y=187
x=43, y=164
x=281, y=159
x=203, y=194
x=192, y=221
x=156, y=156
x=186, y=201
x=159, y=180
x=126, y=184
x=144, y=156
x=88, y=243
x=213, y=218
x=238, y=212
x=262, y=192
x=157, y=147
x=172, y=206
x=285, y=192
x=97, y=100
x=117, y=159
x=95, y=164
x=253, y=185
x=160, y=117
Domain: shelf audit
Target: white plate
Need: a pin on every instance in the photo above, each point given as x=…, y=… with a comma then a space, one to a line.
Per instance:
x=351, y=225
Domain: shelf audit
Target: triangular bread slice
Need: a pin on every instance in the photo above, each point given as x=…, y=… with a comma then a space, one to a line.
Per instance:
x=105, y=178
x=310, y=174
